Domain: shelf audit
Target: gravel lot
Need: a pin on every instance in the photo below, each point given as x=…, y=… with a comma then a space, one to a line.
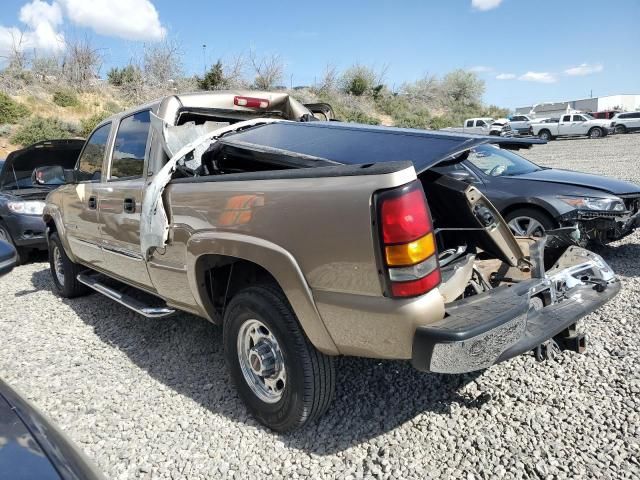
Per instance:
x=151, y=399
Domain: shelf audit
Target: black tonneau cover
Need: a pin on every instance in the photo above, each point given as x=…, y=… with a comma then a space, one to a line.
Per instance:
x=349, y=143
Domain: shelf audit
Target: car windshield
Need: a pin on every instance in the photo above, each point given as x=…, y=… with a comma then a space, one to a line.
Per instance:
x=587, y=116
x=495, y=162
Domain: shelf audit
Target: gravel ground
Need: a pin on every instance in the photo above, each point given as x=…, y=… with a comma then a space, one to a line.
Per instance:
x=152, y=399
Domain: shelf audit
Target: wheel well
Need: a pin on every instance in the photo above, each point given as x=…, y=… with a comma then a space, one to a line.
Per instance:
x=220, y=277
x=595, y=127
x=529, y=206
x=51, y=225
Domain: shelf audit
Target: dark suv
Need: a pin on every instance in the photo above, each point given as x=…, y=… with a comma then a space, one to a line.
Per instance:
x=22, y=199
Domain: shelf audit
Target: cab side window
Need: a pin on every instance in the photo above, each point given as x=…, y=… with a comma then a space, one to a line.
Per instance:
x=470, y=123
x=90, y=161
x=578, y=118
x=566, y=118
x=130, y=147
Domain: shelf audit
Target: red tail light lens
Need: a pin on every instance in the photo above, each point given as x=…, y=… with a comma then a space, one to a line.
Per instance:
x=251, y=102
x=405, y=218
x=408, y=243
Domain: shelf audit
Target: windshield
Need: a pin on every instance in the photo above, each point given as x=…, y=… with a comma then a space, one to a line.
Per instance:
x=495, y=162
x=587, y=116
x=18, y=179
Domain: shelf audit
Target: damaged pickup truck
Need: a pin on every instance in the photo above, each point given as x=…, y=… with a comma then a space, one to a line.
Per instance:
x=306, y=240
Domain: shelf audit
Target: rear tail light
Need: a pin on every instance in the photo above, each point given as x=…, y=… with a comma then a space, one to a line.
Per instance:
x=251, y=102
x=408, y=245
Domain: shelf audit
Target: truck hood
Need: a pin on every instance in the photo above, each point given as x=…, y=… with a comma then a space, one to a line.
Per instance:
x=568, y=177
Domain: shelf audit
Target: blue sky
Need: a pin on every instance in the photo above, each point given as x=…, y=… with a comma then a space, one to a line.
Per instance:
x=543, y=50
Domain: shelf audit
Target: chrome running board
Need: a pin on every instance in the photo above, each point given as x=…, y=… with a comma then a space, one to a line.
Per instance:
x=124, y=299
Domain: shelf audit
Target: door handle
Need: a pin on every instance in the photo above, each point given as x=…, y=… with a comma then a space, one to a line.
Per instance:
x=129, y=205
x=93, y=202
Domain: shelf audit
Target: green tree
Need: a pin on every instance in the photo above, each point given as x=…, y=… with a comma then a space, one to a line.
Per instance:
x=214, y=79
x=38, y=129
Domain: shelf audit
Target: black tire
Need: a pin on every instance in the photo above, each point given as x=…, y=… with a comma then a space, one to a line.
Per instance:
x=310, y=375
x=69, y=287
x=544, y=219
x=596, y=132
x=21, y=254
x=545, y=135
x=620, y=129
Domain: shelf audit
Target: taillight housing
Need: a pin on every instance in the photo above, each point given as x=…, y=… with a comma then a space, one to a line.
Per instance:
x=251, y=102
x=407, y=242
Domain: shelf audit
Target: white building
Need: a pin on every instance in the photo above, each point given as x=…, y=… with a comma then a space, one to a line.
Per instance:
x=625, y=102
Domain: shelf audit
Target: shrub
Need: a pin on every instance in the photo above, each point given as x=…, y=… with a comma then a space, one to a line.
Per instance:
x=358, y=80
x=124, y=76
x=65, y=98
x=10, y=110
x=88, y=124
x=436, y=123
x=38, y=129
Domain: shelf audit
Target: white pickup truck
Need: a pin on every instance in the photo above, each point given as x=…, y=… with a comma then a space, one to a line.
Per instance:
x=483, y=126
x=573, y=125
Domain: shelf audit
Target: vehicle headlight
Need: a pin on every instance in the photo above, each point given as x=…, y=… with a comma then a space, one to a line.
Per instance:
x=592, y=203
x=27, y=207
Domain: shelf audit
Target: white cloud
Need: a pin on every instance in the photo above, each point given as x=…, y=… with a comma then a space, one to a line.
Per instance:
x=584, y=69
x=43, y=21
x=128, y=19
x=480, y=69
x=485, y=5
x=505, y=76
x=541, y=77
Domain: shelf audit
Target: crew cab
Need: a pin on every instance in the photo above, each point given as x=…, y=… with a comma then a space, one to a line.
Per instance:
x=483, y=126
x=306, y=240
x=572, y=125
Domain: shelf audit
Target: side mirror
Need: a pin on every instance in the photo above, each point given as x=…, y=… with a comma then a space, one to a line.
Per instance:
x=52, y=175
x=462, y=176
x=8, y=257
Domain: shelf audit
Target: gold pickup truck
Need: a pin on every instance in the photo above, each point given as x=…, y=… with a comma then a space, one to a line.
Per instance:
x=309, y=239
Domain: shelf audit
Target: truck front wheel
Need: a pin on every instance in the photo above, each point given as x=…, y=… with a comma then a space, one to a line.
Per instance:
x=283, y=380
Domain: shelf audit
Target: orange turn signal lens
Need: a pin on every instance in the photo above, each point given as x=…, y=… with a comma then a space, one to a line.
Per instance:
x=410, y=253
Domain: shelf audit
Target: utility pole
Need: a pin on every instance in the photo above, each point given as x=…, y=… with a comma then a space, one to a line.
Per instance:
x=204, y=59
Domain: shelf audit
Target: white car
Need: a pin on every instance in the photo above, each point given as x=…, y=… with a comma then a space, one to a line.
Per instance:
x=573, y=125
x=626, y=122
x=521, y=123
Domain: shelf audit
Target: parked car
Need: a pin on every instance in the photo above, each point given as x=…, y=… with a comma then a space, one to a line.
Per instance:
x=30, y=446
x=8, y=257
x=308, y=240
x=572, y=125
x=626, y=122
x=22, y=201
x=605, y=114
x=534, y=199
x=520, y=123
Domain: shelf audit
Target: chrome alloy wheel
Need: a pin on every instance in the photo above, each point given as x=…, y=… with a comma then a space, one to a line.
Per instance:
x=261, y=361
x=526, y=227
x=58, y=265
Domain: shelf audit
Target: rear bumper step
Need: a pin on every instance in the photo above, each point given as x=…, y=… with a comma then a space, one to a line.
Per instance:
x=499, y=324
x=149, y=311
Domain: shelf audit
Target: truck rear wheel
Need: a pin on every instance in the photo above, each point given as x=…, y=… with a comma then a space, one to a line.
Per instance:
x=64, y=272
x=281, y=377
x=545, y=135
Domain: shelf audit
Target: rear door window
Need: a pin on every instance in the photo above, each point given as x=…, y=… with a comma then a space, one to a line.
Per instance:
x=90, y=160
x=130, y=147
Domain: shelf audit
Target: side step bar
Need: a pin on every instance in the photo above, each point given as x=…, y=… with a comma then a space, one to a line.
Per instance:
x=124, y=299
